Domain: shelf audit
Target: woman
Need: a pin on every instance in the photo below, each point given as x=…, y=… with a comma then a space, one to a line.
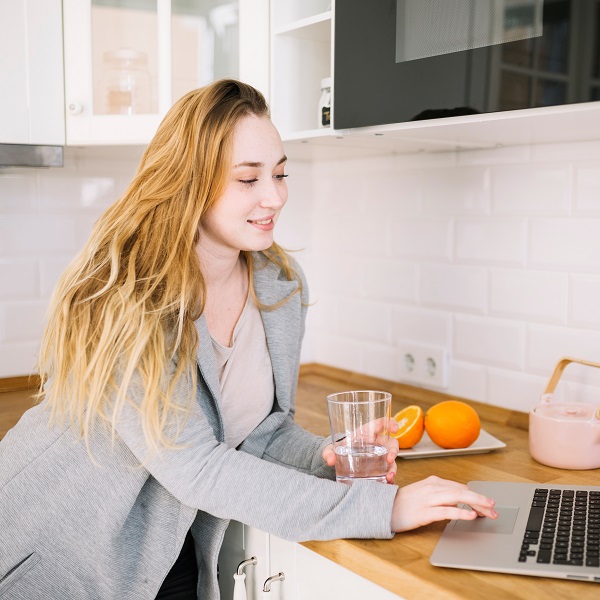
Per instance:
x=169, y=369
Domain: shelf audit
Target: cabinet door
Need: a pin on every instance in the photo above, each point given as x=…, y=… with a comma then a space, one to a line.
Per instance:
x=127, y=61
x=31, y=98
x=240, y=543
x=113, y=70
x=310, y=576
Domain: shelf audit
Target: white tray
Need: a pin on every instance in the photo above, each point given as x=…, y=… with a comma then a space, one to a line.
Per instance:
x=426, y=448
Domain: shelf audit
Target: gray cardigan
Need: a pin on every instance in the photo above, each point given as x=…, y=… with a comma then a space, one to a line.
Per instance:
x=112, y=527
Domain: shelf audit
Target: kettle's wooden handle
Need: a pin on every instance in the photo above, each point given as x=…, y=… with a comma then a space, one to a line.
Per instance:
x=560, y=367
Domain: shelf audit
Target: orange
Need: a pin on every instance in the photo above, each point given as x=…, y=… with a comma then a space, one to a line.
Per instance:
x=410, y=426
x=452, y=424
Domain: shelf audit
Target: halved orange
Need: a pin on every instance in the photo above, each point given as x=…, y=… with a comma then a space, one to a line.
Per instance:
x=410, y=426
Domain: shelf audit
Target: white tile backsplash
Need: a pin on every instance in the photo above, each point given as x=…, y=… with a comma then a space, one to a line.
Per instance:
x=492, y=254
x=569, y=244
x=524, y=189
x=491, y=241
x=527, y=294
x=489, y=341
x=585, y=302
x=459, y=287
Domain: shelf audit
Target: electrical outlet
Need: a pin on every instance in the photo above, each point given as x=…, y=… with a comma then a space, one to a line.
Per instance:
x=421, y=364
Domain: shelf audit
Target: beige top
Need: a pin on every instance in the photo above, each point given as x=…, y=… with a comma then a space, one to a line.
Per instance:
x=246, y=377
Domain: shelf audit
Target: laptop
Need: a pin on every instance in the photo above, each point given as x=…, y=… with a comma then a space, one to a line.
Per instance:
x=544, y=530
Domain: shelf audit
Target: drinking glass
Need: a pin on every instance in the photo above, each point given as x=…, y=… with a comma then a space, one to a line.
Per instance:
x=359, y=423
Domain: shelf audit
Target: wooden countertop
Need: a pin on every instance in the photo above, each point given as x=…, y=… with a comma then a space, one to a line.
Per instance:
x=401, y=565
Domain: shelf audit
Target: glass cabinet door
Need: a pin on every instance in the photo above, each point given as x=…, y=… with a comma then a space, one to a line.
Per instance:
x=127, y=61
x=205, y=43
x=124, y=41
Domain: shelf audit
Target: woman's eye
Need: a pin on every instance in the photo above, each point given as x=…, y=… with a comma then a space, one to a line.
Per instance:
x=248, y=182
x=280, y=177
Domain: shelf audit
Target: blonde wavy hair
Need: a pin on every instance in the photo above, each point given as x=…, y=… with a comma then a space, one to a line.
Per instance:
x=123, y=312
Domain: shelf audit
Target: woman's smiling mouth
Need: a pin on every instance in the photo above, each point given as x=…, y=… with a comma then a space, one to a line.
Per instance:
x=263, y=224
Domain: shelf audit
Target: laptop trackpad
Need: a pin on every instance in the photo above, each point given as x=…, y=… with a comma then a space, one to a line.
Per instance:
x=505, y=523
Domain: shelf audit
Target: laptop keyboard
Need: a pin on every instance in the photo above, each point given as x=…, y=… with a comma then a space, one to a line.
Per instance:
x=564, y=527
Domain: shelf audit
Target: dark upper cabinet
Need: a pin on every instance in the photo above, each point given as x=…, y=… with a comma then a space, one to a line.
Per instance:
x=397, y=61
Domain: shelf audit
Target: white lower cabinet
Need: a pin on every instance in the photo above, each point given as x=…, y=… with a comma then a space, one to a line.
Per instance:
x=308, y=575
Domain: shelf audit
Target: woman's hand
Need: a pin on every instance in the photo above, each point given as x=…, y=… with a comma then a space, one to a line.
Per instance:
x=435, y=499
x=390, y=443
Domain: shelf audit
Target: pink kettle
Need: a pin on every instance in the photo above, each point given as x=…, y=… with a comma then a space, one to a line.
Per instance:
x=565, y=435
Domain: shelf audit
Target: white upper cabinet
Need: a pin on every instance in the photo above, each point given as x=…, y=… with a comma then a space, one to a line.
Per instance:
x=128, y=61
x=31, y=72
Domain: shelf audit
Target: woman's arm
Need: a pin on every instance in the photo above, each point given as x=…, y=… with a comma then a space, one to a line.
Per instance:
x=227, y=483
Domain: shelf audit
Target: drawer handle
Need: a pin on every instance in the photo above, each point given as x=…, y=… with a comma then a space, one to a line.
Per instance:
x=270, y=580
x=249, y=561
x=239, y=587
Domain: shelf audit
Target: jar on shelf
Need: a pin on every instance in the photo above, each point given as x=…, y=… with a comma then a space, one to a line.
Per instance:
x=325, y=103
x=127, y=82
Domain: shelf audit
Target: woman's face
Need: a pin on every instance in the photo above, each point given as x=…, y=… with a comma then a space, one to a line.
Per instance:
x=245, y=215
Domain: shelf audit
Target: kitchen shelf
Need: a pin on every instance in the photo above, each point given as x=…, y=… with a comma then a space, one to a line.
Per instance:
x=316, y=27
x=557, y=124
x=301, y=56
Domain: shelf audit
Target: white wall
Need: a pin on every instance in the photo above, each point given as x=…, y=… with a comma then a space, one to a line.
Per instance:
x=45, y=217
x=494, y=255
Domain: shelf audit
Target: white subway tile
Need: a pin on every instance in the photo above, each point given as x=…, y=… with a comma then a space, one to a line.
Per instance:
x=339, y=194
x=547, y=345
x=366, y=320
x=51, y=268
x=393, y=194
x=17, y=192
x=26, y=236
x=502, y=241
x=324, y=312
x=529, y=295
x=18, y=359
x=422, y=238
x=467, y=380
x=585, y=301
x=566, y=244
x=380, y=361
x=587, y=189
x=577, y=392
x=386, y=279
x=541, y=189
x=424, y=326
x=351, y=236
x=452, y=286
x=18, y=279
x=337, y=276
x=78, y=192
x=566, y=151
x=457, y=191
x=339, y=351
x=514, y=390
x=307, y=352
x=84, y=225
x=23, y=321
x=426, y=160
x=495, y=156
x=495, y=342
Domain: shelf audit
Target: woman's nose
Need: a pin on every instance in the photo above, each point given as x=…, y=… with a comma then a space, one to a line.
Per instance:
x=275, y=195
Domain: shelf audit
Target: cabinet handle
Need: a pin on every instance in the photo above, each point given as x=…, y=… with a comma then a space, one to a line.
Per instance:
x=270, y=580
x=239, y=587
x=75, y=108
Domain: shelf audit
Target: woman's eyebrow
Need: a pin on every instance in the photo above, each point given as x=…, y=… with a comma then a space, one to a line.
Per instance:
x=249, y=163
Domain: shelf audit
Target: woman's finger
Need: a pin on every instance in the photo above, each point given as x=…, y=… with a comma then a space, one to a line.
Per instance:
x=328, y=455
